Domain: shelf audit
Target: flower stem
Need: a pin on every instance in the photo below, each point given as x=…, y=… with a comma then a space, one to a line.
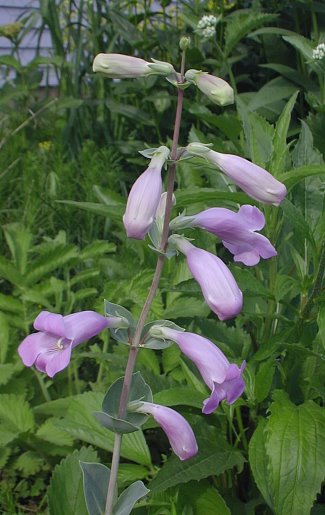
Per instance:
x=151, y=294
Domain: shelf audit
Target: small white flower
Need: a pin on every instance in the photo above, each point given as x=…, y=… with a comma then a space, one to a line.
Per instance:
x=206, y=27
x=319, y=52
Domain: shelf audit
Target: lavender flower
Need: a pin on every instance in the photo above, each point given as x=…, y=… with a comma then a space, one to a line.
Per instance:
x=177, y=429
x=119, y=66
x=144, y=197
x=50, y=348
x=217, y=283
x=224, y=379
x=216, y=89
x=237, y=232
x=254, y=180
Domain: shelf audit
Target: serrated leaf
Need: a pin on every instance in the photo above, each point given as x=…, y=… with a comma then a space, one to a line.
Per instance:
x=242, y=23
x=65, y=493
x=57, y=257
x=96, y=249
x=29, y=463
x=16, y=417
x=114, y=212
x=210, y=502
x=273, y=91
x=51, y=433
x=214, y=457
x=4, y=337
x=295, y=446
x=127, y=473
x=209, y=196
x=129, y=497
x=263, y=380
x=95, y=485
x=258, y=462
x=81, y=424
x=302, y=44
x=201, y=499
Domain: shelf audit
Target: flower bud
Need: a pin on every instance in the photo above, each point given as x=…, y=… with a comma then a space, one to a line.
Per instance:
x=254, y=180
x=216, y=89
x=119, y=66
x=217, y=283
x=144, y=197
x=177, y=429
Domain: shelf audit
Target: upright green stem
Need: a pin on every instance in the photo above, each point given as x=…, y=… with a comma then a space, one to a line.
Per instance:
x=147, y=305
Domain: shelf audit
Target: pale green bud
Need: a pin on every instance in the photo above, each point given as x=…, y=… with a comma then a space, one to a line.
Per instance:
x=216, y=89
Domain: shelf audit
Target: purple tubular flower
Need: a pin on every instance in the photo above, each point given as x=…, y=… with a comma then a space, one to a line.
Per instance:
x=224, y=379
x=177, y=429
x=144, y=197
x=50, y=348
x=237, y=232
x=254, y=180
x=217, y=283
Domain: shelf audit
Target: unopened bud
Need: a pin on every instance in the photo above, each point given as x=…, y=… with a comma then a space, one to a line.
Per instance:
x=216, y=89
x=184, y=42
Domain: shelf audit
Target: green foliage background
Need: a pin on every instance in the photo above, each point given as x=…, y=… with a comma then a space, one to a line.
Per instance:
x=68, y=158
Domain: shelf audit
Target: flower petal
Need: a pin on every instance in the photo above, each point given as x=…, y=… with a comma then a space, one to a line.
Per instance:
x=33, y=345
x=58, y=361
x=252, y=216
x=218, y=394
x=82, y=326
x=50, y=323
x=177, y=429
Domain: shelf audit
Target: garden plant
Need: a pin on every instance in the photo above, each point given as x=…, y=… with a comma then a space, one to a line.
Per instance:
x=201, y=387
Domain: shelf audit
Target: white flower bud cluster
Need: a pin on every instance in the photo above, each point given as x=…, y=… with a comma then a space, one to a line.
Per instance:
x=319, y=52
x=207, y=26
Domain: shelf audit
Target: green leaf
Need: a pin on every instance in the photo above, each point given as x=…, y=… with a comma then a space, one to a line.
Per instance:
x=9, y=303
x=214, y=457
x=10, y=272
x=280, y=147
x=97, y=248
x=273, y=91
x=115, y=310
x=259, y=462
x=295, y=446
x=18, y=239
x=16, y=417
x=129, y=497
x=210, y=502
x=302, y=44
x=65, y=493
x=298, y=223
x=242, y=23
x=292, y=177
x=57, y=257
x=4, y=337
x=51, y=433
x=80, y=423
x=258, y=133
x=180, y=397
x=304, y=153
x=208, y=196
x=127, y=473
x=263, y=380
x=114, y=212
x=29, y=463
x=95, y=484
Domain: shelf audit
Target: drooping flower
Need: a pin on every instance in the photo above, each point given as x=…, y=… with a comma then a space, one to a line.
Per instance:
x=144, y=197
x=216, y=89
x=177, y=429
x=119, y=66
x=217, y=283
x=254, y=180
x=50, y=348
x=223, y=378
x=236, y=230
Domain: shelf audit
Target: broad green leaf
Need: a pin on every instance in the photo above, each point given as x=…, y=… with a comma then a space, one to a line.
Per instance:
x=273, y=91
x=298, y=223
x=200, y=498
x=214, y=457
x=304, y=153
x=127, y=473
x=292, y=74
x=295, y=446
x=51, y=433
x=129, y=497
x=180, y=397
x=263, y=380
x=81, y=424
x=95, y=485
x=280, y=147
x=258, y=133
x=242, y=23
x=65, y=493
x=10, y=273
x=259, y=463
x=211, y=503
x=16, y=417
x=9, y=303
x=302, y=44
x=209, y=196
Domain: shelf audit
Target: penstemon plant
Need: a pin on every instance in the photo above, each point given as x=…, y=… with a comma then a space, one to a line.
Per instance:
x=128, y=402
